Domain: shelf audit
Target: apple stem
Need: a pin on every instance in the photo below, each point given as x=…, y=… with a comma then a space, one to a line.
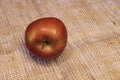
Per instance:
x=45, y=43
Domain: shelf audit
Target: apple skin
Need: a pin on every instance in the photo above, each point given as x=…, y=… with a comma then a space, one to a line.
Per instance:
x=46, y=38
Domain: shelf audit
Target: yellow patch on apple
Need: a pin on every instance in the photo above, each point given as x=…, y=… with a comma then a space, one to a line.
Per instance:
x=32, y=37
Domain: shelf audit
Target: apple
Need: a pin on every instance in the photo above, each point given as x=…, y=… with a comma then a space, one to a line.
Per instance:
x=46, y=38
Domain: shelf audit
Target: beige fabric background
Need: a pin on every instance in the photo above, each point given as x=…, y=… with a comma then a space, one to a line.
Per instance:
x=93, y=49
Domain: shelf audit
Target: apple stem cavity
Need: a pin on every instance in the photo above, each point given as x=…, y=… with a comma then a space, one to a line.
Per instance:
x=44, y=44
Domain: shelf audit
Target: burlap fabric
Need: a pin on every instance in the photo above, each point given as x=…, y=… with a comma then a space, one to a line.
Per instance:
x=92, y=51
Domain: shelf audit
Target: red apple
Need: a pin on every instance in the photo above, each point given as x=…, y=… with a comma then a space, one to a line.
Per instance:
x=46, y=38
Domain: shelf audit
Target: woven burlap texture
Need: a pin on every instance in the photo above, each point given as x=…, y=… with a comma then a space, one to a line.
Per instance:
x=92, y=51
